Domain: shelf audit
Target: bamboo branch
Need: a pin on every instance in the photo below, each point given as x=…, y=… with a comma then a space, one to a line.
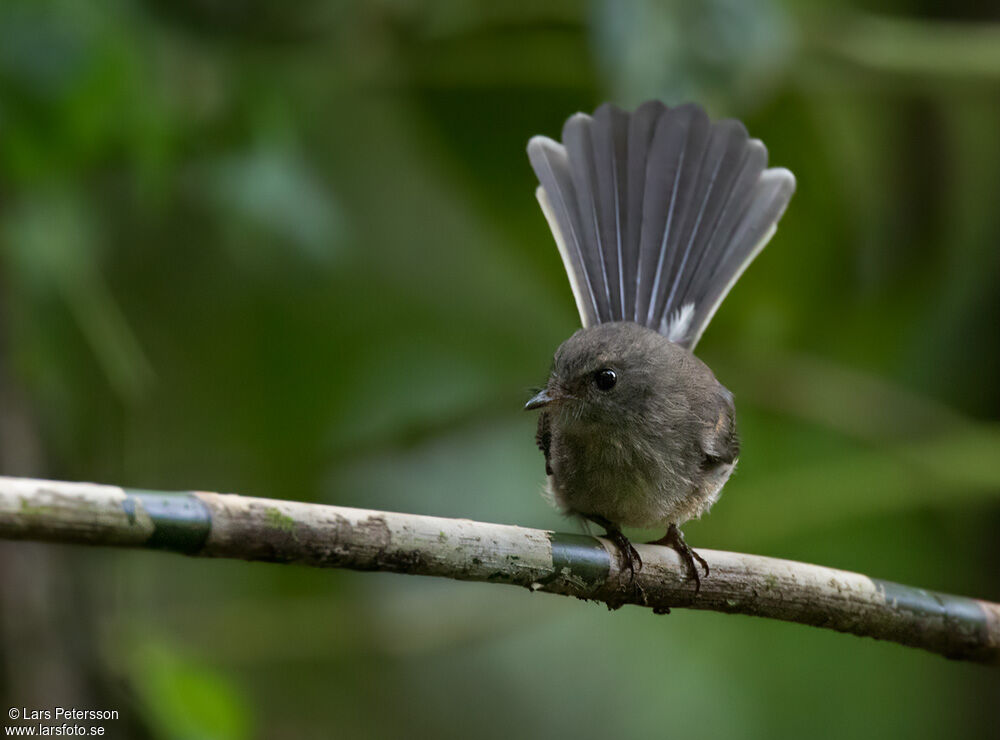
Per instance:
x=230, y=526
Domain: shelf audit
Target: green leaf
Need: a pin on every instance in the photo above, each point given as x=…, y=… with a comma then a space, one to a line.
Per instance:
x=186, y=700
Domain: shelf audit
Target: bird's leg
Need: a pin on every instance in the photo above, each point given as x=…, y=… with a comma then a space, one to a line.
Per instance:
x=675, y=540
x=630, y=556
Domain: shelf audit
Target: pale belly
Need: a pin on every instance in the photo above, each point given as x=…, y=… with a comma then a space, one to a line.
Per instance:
x=628, y=501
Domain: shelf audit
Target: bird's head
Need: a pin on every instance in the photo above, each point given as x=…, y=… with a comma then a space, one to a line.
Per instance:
x=605, y=375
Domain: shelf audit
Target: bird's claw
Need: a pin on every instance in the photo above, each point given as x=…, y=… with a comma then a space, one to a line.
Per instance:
x=675, y=540
x=629, y=555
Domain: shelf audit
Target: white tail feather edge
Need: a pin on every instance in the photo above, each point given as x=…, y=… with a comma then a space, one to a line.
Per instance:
x=574, y=284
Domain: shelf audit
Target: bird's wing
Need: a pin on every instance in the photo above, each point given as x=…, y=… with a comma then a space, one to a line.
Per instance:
x=543, y=438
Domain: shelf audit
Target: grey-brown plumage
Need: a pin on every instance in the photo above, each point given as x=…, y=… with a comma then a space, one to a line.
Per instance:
x=656, y=214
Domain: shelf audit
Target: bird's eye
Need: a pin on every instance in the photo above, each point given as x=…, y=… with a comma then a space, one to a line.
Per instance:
x=605, y=379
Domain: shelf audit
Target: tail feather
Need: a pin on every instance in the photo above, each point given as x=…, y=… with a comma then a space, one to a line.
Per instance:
x=671, y=170
x=727, y=143
x=759, y=222
x=580, y=151
x=733, y=202
x=609, y=138
x=642, y=126
x=556, y=195
x=657, y=213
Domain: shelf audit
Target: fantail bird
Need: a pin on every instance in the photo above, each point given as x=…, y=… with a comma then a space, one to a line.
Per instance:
x=656, y=214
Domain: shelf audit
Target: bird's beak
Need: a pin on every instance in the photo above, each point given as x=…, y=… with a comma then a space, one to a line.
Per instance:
x=540, y=400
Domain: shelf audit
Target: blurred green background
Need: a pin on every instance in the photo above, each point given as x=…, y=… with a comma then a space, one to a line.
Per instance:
x=292, y=250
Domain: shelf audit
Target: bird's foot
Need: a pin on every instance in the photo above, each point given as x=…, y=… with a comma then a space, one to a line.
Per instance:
x=674, y=539
x=629, y=555
x=630, y=559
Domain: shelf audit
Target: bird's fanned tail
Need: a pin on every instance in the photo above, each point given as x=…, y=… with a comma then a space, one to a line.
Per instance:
x=657, y=213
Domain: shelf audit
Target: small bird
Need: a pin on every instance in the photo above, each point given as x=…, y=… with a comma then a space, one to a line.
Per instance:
x=656, y=214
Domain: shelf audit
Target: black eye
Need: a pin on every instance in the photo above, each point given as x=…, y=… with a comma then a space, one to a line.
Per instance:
x=605, y=379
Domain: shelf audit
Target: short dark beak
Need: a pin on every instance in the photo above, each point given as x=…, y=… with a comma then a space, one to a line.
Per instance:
x=541, y=399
